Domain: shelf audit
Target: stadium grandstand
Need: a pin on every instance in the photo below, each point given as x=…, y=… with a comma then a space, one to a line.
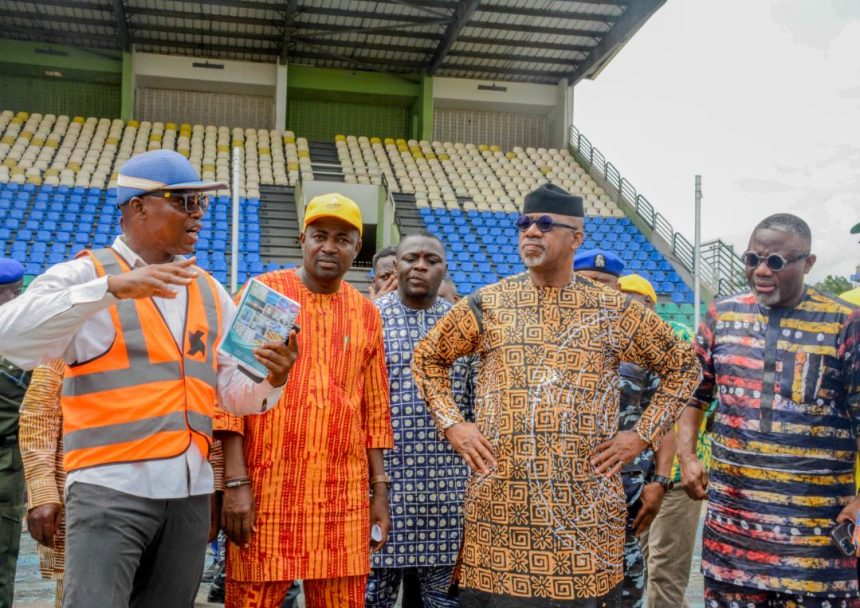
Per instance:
x=431, y=114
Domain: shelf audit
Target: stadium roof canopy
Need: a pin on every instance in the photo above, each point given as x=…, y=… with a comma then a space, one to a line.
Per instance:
x=539, y=41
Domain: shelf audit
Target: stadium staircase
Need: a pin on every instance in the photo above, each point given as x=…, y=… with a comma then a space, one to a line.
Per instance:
x=324, y=161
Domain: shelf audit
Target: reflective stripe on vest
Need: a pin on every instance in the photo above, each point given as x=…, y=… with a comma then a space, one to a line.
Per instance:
x=134, y=402
x=129, y=431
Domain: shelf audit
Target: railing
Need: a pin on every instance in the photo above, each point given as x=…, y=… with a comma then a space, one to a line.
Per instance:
x=390, y=212
x=722, y=271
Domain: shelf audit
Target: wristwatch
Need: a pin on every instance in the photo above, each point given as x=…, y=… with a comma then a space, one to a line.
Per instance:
x=664, y=481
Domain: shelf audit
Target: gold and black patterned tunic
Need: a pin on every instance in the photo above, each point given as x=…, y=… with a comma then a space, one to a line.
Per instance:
x=542, y=525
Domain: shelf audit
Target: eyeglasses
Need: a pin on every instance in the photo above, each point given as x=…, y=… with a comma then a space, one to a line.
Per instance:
x=191, y=202
x=544, y=223
x=774, y=261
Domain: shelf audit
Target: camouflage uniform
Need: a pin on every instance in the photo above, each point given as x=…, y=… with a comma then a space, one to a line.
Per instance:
x=13, y=385
x=637, y=386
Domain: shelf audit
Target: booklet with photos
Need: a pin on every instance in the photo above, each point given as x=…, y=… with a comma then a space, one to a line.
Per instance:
x=263, y=315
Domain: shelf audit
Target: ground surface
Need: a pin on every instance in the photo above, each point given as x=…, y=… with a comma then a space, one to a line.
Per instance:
x=32, y=592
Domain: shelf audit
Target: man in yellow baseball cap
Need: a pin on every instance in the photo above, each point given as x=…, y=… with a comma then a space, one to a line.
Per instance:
x=637, y=285
x=335, y=206
x=327, y=444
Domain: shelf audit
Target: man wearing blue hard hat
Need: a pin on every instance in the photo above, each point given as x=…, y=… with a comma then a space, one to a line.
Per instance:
x=13, y=385
x=138, y=325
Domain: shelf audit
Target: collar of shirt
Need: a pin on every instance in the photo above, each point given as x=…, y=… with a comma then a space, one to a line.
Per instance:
x=129, y=255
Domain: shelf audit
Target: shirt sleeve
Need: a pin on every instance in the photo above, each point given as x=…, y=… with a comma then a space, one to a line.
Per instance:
x=65, y=296
x=376, y=406
x=40, y=432
x=457, y=334
x=238, y=393
x=653, y=345
x=849, y=354
x=704, y=345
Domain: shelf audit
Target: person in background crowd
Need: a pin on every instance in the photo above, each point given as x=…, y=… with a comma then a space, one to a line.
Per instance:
x=852, y=295
x=448, y=290
x=781, y=360
x=41, y=440
x=13, y=385
x=668, y=543
x=544, y=509
x=314, y=463
x=384, y=275
x=137, y=326
x=428, y=479
x=646, y=479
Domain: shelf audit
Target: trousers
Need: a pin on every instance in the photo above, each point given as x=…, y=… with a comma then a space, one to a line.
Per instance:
x=12, y=509
x=668, y=547
x=343, y=592
x=434, y=583
x=125, y=551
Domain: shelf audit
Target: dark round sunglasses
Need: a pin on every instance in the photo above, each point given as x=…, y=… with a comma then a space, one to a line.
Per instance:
x=774, y=261
x=191, y=202
x=544, y=223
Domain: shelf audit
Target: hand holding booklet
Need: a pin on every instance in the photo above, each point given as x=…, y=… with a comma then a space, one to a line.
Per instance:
x=263, y=315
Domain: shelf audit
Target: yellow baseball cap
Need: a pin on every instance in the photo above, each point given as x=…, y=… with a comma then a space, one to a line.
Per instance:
x=634, y=283
x=333, y=205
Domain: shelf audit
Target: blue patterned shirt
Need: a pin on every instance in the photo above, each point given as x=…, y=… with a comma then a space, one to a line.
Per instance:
x=428, y=478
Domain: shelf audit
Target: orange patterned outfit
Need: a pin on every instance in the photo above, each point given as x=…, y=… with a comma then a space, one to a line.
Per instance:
x=542, y=529
x=307, y=457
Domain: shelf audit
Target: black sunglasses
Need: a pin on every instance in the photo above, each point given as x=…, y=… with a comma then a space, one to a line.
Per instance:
x=774, y=261
x=544, y=223
x=190, y=201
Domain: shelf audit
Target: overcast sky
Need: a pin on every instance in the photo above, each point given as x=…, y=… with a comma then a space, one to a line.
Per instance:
x=760, y=97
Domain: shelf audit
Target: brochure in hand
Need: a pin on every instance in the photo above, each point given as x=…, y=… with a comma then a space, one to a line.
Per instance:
x=263, y=315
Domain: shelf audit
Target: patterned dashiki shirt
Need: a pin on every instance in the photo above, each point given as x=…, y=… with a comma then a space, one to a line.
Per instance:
x=784, y=440
x=428, y=478
x=542, y=529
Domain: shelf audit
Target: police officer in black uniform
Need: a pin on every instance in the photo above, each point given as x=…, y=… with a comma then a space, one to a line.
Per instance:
x=13, y=385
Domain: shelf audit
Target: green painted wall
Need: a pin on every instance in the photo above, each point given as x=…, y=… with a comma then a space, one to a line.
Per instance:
x=57, y=96
x=89, y=86
x=322, y=120
x=127, y=102
x=422, y=110
x=323, y=102
x=311, y=82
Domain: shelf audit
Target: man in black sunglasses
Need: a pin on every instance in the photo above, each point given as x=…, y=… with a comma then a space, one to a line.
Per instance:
x=138, y=325
x=781, y=359
x=544, y=510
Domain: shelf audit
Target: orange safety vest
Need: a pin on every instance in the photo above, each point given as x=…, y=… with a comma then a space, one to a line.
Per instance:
x=143, y=398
